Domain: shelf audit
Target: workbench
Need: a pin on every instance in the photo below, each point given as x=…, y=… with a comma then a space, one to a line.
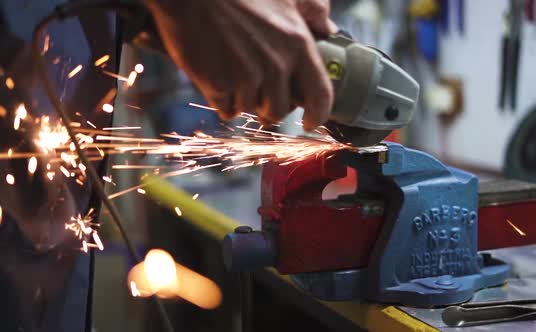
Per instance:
x=230, y=206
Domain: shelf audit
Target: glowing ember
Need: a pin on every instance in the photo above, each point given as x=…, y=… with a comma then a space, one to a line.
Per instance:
x=139, y=68
x=194, y=197
x=517, y=229
x=10, y=179
x=75, y=71
x=160, y=275
x=107, y=108
x=10, y=84
x=160, y=269
x=134, y=289
x=141, y=191
x=32, y=165
x=10, y=153
x=178, y=211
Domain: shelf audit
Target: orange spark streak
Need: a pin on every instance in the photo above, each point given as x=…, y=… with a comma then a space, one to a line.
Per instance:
x=46, y=44
x=65, y=172
x=517, y=229
x=103, y=59
x=203, y=106
x=118, y=77
x=120, y=128
x=178, y=211
x=75, y=71
x=32, y=165
x=132, y=78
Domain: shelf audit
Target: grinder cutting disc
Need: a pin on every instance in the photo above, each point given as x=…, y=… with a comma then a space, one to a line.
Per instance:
x=358, y=137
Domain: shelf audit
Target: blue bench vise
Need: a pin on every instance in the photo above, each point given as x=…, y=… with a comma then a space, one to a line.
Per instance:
x=407, y=235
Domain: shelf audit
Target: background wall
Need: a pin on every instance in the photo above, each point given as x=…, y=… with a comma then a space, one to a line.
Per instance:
x=480, y=134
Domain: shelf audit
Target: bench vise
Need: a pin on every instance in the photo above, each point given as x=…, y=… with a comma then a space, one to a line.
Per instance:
x=411, y=232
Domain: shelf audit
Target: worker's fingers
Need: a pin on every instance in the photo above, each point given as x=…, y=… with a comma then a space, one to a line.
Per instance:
x=223, y=103
x=316, y=15
x=276, y=97
x=316, y=89
x=247, y=99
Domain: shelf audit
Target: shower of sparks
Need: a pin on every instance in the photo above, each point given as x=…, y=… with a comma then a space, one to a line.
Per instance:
x=517, y=229
x=85, y=229
x=245, y=145
x=51, y=136
x=102, y=60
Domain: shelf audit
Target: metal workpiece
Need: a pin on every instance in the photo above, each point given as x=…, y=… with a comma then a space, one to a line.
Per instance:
x=505, y=191
x=333, y=285
x=371, y=91
x=473, y=314
x=246, y=249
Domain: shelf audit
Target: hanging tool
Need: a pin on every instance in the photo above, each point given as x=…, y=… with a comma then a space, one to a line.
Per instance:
x=510, y=55
x=426, y=17
x=472, y=314
x=530, y=11
x=445, y=17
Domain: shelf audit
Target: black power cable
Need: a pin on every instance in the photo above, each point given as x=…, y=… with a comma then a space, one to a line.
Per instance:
x=75, y=9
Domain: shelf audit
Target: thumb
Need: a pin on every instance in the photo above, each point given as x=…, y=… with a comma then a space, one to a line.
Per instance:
x=316, y=14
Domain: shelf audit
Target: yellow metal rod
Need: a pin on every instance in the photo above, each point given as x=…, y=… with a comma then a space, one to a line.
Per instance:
x=208, y=220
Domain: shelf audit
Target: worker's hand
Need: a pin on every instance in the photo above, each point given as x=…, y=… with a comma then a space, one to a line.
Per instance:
x=247, y=55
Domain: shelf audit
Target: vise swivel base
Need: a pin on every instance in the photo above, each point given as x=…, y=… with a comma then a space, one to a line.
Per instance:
x=409, y=234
